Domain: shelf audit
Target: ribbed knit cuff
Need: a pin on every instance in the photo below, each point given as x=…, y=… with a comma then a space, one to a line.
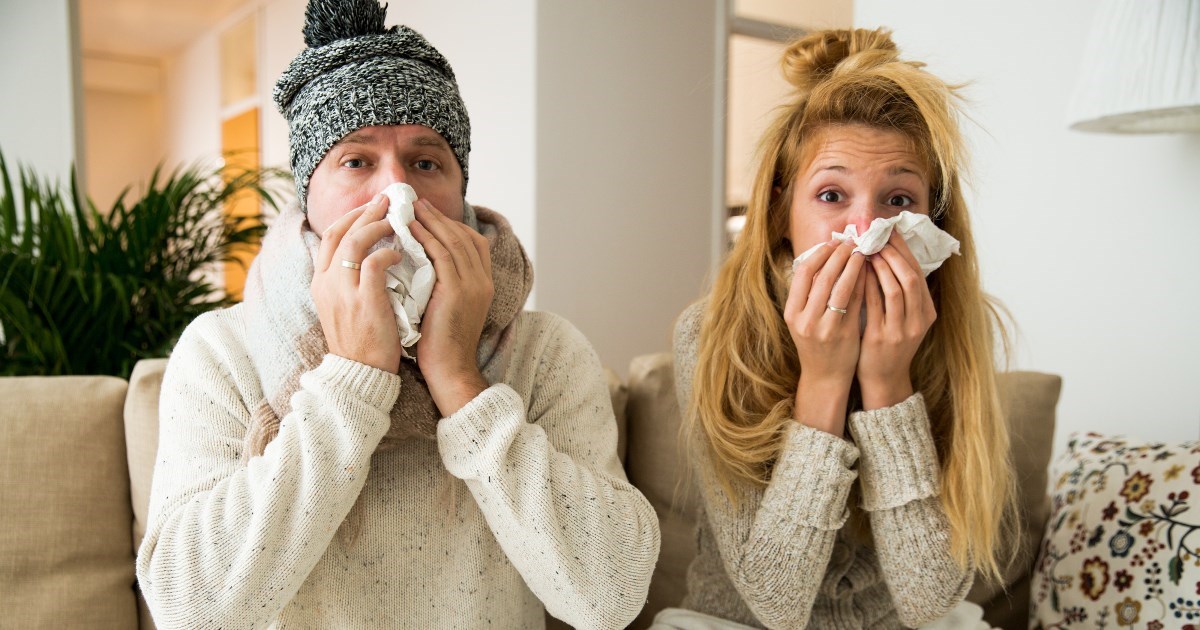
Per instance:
x=815, y=476
x=481, y=431
x=361, y=382
x=899, y=461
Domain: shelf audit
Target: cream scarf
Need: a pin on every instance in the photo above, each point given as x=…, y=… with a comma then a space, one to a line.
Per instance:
x=285, y=337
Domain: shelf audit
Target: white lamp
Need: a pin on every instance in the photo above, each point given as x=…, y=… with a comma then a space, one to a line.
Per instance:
x=1141, y=69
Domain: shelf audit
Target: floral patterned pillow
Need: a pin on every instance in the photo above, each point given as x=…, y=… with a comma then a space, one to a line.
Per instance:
x=1121, y=548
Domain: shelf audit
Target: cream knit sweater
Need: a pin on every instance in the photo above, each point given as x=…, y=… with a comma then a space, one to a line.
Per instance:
x=779, y=559
x=520, y=502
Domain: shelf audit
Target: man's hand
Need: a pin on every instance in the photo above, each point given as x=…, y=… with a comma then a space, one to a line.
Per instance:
x=458, y=307
x=352, y=304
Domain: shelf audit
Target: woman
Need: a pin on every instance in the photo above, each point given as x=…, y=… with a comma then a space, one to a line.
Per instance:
x=803, y=525
x=307, y=475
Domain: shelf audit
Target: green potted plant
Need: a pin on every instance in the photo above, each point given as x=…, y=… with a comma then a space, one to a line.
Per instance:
x=85, y=292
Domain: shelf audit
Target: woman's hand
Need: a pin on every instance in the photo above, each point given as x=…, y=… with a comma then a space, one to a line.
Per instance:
x=352, y=304
x=900, y=312
x=454, y=319
x=827, y=340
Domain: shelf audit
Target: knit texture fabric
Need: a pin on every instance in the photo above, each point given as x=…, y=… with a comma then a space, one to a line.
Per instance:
x=286, y=339
x=520, y=502
x=780, y=558
x=354, y=74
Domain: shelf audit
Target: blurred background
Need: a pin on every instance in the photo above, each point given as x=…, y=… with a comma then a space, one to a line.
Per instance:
x=618, y=136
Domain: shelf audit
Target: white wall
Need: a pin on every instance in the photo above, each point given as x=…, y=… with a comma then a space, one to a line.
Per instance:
x=279, y=24
x=39, y=113
x=1086, y=238
x=193, y=104
x=626, y=148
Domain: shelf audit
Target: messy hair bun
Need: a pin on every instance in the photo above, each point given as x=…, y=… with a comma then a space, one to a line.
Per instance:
x=813, y=58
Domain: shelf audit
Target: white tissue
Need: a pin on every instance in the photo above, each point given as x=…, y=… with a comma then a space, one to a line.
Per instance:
x=409, y=283
x=930, y=245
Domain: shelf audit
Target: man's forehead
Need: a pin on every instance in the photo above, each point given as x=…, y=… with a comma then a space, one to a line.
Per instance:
x=415, y=135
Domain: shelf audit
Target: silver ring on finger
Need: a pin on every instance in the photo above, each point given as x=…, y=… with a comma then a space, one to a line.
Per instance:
x=350, y=264
x=840, y=311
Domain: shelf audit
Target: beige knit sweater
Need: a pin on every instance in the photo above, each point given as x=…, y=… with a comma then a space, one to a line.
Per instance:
x=779, y=559
x=520, y=502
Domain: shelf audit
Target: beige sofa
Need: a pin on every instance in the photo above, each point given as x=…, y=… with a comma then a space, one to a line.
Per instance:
x=77, y=453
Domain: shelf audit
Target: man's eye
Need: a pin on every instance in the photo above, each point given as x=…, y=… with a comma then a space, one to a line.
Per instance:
x=426, y=165
x=830, y=196
x=354, y=163
x=900, y=201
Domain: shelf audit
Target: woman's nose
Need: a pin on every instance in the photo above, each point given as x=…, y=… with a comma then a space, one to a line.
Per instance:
x=861, y=216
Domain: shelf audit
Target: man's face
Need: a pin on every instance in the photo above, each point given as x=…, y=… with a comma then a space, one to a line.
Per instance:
x=366, y=161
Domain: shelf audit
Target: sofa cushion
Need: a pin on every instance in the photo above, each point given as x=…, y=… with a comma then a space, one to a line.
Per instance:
x=141, y=445
x=141, y=437
x=1029, y=400
x=1120, y=548
x=65, y=550
x=655, y=465
x=620, y=396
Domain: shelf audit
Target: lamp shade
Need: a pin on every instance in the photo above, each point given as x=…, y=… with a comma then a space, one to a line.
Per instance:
x=1141, y=69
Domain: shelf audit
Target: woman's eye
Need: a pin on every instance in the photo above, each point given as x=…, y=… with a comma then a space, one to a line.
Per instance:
x=900, y=201
x=354, y=163
x=830, y=196
x=426, y=165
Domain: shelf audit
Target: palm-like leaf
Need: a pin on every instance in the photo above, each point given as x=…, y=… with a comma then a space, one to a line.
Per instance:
x=83, y=292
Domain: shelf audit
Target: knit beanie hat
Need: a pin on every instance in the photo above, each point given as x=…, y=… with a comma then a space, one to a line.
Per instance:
x=355, y=73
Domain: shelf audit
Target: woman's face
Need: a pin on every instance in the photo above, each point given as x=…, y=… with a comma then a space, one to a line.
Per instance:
x=855, y=175
x=366, y=161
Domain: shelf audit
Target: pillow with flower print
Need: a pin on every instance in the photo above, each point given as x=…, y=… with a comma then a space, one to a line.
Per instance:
x=1121, y=548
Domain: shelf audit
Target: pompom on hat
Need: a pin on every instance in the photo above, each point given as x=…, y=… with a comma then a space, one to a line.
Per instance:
x=357, y=73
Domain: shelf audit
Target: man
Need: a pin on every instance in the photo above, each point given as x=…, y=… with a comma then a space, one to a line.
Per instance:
x=308, y=475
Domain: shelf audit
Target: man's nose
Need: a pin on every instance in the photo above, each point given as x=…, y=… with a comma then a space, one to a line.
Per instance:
x=395, y=172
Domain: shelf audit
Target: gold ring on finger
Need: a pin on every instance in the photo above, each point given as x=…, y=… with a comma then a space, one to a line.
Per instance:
x=350, y=264
x=835, y=309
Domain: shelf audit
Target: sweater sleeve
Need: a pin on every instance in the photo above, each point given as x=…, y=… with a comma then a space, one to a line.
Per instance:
x=545, y=474
x=228, y=543
x=899, y=480
x=775, y=542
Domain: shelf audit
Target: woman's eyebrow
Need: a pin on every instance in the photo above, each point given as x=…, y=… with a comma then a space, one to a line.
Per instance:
x=901, y=170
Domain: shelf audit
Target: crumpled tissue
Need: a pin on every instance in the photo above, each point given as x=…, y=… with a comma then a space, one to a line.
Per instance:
x=409, y=283
x=930, y=245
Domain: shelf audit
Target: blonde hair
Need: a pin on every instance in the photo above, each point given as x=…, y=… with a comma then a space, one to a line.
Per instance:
x=747, y=368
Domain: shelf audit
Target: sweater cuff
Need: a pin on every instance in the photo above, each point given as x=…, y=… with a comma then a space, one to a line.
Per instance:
x=359, y=382
x=482, y=429
x=899, y=461
x=814, y=471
